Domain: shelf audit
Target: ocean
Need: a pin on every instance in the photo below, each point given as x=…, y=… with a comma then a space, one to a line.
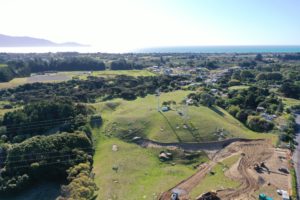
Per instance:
x=182, y=49
x=223, y=49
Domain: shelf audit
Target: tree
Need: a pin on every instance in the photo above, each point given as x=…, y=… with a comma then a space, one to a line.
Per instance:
x=81, y=184
x=258, y=57
x=274, y=76
x=207, y=99
x=259, y=124
x=290, y=90
x=233, y=110
x=246, y=74
x=250, y=100
x=242, y=116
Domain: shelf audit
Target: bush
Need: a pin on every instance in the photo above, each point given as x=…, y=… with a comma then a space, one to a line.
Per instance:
x=96, y=121
x=207, y=99
x=233, y=110
x=242, y=116
x=81, y=185
x=259, y=124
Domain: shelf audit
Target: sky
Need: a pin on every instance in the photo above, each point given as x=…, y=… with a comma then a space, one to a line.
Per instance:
x=122, y=25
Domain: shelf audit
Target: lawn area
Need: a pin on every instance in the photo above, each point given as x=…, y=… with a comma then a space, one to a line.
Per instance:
x=123, y=72
x=218, y=180
x=3, y=65
x=238, y=87
x=140, y=174
x=141, y=118
x=109, y=73
x=290, y=102
x=3, y=111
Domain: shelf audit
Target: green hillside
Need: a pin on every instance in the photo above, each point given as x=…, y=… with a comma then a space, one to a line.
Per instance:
x=140, y=174
x=127, y=119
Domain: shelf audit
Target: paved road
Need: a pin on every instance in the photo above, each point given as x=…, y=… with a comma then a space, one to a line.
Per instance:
x=296, y=156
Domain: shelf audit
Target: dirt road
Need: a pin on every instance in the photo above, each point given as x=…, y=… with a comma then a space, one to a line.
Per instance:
x=252, y=152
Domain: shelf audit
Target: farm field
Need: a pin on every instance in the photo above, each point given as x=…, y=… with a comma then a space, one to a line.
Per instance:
x=140, y=174
x=13, y=83
x=65, y=76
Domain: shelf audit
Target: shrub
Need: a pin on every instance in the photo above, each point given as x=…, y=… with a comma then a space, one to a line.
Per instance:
x=259, y=124
x=233, y=110
x=81, y=185
x=207, y=99
x=242, y=116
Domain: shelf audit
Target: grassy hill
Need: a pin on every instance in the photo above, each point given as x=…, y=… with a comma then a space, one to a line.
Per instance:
x=140, y=174
x=127, y=119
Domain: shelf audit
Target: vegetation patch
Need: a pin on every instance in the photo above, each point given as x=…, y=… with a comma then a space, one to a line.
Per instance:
x=141, y=118
x=217, y=180
x=238, y=87
x=133, y=172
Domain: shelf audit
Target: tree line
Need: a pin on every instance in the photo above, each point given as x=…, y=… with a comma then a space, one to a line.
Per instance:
x=24, y=67
x=63, y=154
x=125, y=87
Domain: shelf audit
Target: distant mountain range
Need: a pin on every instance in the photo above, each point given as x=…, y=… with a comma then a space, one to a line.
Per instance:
x=16, y=41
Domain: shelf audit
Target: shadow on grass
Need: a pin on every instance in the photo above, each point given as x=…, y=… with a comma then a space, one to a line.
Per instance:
x=216, y=110
x=38, y=191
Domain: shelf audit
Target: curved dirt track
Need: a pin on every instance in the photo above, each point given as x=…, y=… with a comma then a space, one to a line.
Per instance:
x=251, y=152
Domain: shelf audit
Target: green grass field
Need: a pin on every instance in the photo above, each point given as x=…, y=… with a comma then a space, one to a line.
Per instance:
x=110, y=73
x=238, y=87
x=290, y=102
x=76, y=74
x=140, y=174
x=218, y=180
x=141, y=118
x=3, y=111
x=3, y=65
x=13, y=83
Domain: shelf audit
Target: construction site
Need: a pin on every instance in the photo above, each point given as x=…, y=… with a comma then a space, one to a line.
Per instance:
x=262, y=172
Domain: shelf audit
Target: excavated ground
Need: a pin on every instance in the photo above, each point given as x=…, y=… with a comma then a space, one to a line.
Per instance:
x=251, y=153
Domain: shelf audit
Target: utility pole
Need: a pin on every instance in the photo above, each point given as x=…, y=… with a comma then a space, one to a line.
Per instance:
x=157, y=96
